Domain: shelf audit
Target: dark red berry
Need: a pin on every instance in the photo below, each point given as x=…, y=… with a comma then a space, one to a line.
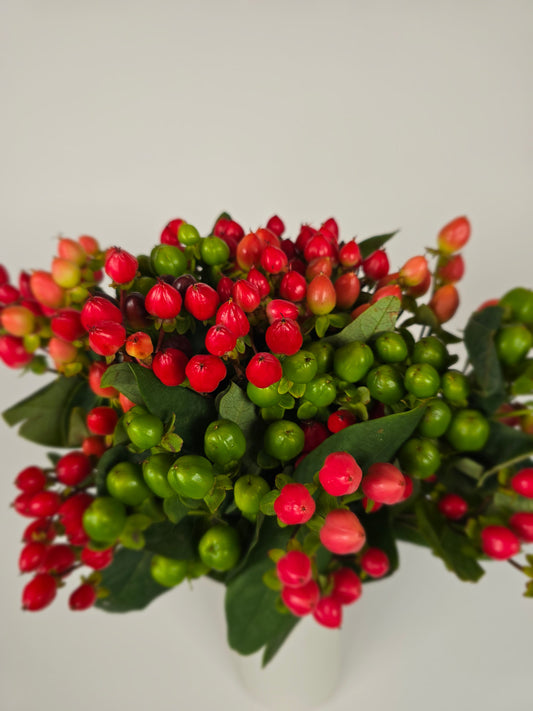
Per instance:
x=72, y=508
x=66, y=324
x=31, y=480
x=224, y=288
x=73, y=468
x=44, y=504
x=452, y=506
x=39, y=592
x=339, y=420
x=263, y=370
x=94, y=446
x=40, y=531
x=83, y=597
x=375, y=562
x=347, y=586
x=97, y=560
x=205, y=373
x=376, y=266
x=169, y=366
x=328, y=612
x=293, y=286
x=102, y=420
x=314, y=433
x=31, y=556
x=275, y=225
x=58, y=559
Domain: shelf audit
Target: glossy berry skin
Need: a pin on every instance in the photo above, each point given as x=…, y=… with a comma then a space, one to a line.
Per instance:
x=339, y=420
x=293, y=287
x=31, y=480
x=376, y=266
x=321, y=295
x=21, y=504
x=39, y=592
x=452, y=270
x=452, y=506
x=522, y=482
x=303, y=600
x=163, y=301
x=205, y=373
x=347, y=586
x=120, y=266
x=202, y=301
x=445, y=302
x=350, y=254
x=31, y=556
x=279, y=308
x=219, y=340
x=422, y=380
x=83, y=597
x=454, y=235
x=275, y=225
x=102, y=420
x=224, y=288
x=263, y=370
x=169, y=234
x=98, y=309
x=66, y=324
x=246, y=295
x=107, y=338
x=328, y=612
x=375, y=562
x=294, y=569
x=414, y=271
x=40, y=531
x=294, y=505
x=44, y=504
x=139, y=345
x=96, y=559
x=96, y=372
x=340, y=474
x=342, y=532
x=347, y=289
x=273, y=260
x=384, y=483
x=233, y=317
x=258, y=280
x=468, y=431
x=169, y=366
x=73, y=468
x=12, y=352
x=499, y=542
x=284, y=337
x=521, y=523
x=58, y=559
x=94, y=446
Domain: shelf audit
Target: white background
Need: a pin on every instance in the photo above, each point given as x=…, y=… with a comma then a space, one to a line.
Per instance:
x=119, y=116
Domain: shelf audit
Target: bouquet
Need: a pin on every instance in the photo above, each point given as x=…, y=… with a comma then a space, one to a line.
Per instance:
x=274, y=414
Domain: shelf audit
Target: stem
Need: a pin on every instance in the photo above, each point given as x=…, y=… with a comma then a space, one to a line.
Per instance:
x=508, y=463
x=516, y=565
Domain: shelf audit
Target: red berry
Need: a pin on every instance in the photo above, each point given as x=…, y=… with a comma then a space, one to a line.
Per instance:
x=303, y=600
x=31, y=556
x=259, y=281
x=330, y=227
x=13, y=353
x=342, y=532
x=201, y=300
x=96, y=310
x=224, y=288
x=163, y=301
x=66, y=324
x=321, y=296
x=340, y=474
x=39, y=592
x=318, y=246
x=339, y=420
x=315, y=433
x=248, y=251
x=445, y=302
x=169, y=234
x=293, y=286
x=107, y=338
x=375, y=562
x=454, y=235
x=263, y=370
x=452, y=270
x=9, y=294
x=267, y=238
x=73, y=468
x=347, y=289
x=294, y=505
x=31, y=480
x=347, y=586
x=521, y=523
x=94, y=446
x=72, y=509
x=370, y=506
x=305, y=234
x=499, y=542
x=71, y=251
x=328, y=612
x=44, y=504
x=408, y=487
x=102, y=420
x=278, y=308
x=89, y=244
x=350, y=254
x=4, y=275
x=384, y=291
x=284, y=336
x=452, y=506
x=22, y=504
x=83, y=597
x=246, y=295
x=96, y=372
x=233, y=317
x=219, y=340
x=376, y=266
x=58, y=559
x=275, y=225
x=45, y=290
x=40, y=531
x=97, y=560
x=121, y=266
x=169, y=366
x=294, y=569
x=274, y=260
x=205, y=372
x=414, y=271
x=384, y=483
x=522, y=482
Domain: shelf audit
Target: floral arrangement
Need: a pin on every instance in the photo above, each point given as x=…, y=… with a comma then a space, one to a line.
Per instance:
x=272, y=413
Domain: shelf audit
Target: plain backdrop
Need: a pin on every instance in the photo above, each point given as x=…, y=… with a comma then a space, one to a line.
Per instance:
x=116, y=117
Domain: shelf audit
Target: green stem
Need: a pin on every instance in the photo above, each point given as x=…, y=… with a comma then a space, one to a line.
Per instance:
x=508, y=463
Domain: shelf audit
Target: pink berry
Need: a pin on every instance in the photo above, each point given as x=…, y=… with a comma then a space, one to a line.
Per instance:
x=340, y=474
x=314, y=434
x=499, y=542
x=301, y=601
x=384, y=483
x=328, y=612
x=347, y=586
x=522, y=482
x=452, y=506
x=375, y=562
x=294, y=505
x=294, y=569
x=342, y=532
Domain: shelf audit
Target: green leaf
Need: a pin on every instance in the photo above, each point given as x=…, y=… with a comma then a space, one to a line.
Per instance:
x=129, y=582
x=504, y=444
x=77, y=427
x=513, y=502
x=479, y=341
x=455, y=549
x=297, y=389
x=172, y=442
x=215, y=498
x=379, y=317
x=379, y=534
x=173, y=540
x=370, y=244
x=175, y=509
x=275, y=643
x=235, y=406
x=369, y=442
x=321, y=326
x=107, y=461
x=121, y=377
x=339, y=320
x=267, y=503
x=251, y=615
x=46, y=414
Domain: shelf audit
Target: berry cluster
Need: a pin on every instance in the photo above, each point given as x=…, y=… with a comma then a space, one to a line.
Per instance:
x=234, y=381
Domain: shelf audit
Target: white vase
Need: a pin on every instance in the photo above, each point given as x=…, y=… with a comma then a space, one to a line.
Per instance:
x=303, y=674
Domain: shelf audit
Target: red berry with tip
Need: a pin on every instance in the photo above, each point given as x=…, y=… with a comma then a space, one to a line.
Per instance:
x=73, y=468
x=39, y=592
x=294, y=505
x=328, y=612
x=163, y=301
x=522, y=482
x=294, y=569
x=31, y=480
x=342, y=532
x=340, y=474
x=384, y=483
x=375, y=562
x=452, y=506
x=263, y=370
x=205, y=372
x=303, y=600
x=347, y=586
x=120, y=266
x=499, y=542
x=202, y=301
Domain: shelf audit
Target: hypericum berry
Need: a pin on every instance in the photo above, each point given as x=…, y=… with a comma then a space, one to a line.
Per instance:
x=97, y=309
x=31, y=480
x=13, y=353
x=107, y=338
x=4, y=275
x=120, y=266
x=305, y=234
x=31, y=556
x=294, y=569
x=169, y=233
x=9, y=294
x=71, y=251
x=97, y=560
x=135, y=313
x=314, y=433
x=303, y=600
x=499, y=542
x=384, y=483
x=340, y=474
x=183, y=282
x=452, y=506
x=248, y=251
x=522, y=482
x=169, y=366
x=44, y=504
x=321, y=296
x=89, y=244
x=45, y=290
x=39, y=592
x=102, y=420
x=330, y=229
x=94, y=446
x=58, y=559
x=96, y=371
x=375, y=562
x=342, y=532
x=445, y=302
x=233, y=317
x=521, y=524
x=139, y=345
x=319, y=265
x=274, y=260
x=294, y=505
x=279, y=308
x=17, y=320
x=384, y=291
x=66, y=324
x=21, y=504
x=201, y=300
x=376, y=266
x=318, y=246
x=219, y=340
x=347, y=586
x=73, y=468
x=275, y=225
x=454, y=235
x=328, y=612
x=350, y=254
x=293, y=286
x=83, y=597
x=347, y=289
x=65, y=273
x=205, y=373
x=284, y=336
x=61, y=352
x=224, y=288
x=414, y=271
x=263, y=370
x=40, y=531
x=246, y=295
x=163, y=301
x=73, y=508
x=339, y=420
x=452, y=270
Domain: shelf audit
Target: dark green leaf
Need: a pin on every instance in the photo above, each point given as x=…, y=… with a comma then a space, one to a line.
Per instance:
x=275, y=643
x=129, y=582
x=513, y=502
x=121, y=377
x=174, y=509
x=321, y=326
x=77, y=427
x=173, y=540
x=370, y=244
x=379, y=317
x=409, y=533
x=479, y=341
x=369, y=442
x=235, y=406
x=379, y=534
x=504, y=443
